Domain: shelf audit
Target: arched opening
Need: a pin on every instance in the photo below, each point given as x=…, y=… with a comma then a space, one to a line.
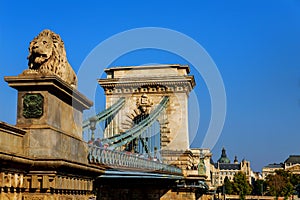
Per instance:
x=149, y=142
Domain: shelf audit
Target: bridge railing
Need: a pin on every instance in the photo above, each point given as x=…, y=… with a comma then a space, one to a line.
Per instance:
x=126, y=160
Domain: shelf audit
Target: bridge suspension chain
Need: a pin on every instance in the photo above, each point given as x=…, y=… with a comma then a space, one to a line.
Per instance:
x=135, y=132
x=104, y=114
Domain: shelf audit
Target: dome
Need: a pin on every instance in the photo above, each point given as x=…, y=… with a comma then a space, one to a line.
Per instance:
x=223, y=158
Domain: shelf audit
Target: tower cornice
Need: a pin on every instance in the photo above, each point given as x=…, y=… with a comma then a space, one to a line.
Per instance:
x=150, y=84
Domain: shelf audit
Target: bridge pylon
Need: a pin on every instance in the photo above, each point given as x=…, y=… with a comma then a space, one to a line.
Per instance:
x=143, y=87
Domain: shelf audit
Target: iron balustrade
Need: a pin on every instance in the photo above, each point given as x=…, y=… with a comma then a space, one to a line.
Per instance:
x=127, y=160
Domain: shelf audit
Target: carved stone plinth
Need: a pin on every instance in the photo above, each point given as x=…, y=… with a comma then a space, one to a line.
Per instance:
x=44, y=156
x=51, y=111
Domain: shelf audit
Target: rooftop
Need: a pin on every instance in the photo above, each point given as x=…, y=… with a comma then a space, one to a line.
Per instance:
x=140, y=67
x=223, y=158
x=228, y=166
x=274, y=165
x=147, y=71
x=293, y=159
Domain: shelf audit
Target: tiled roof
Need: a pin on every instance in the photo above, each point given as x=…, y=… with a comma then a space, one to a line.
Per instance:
x=274, y=165
x=228, y=166
x=293, y=159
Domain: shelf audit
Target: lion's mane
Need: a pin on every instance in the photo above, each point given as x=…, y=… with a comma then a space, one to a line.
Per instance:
x=47, y=55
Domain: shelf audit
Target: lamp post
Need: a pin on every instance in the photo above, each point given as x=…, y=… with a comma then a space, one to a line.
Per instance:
x=93, y=121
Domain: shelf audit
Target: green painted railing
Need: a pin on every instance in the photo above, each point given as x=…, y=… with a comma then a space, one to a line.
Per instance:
x=127, y=160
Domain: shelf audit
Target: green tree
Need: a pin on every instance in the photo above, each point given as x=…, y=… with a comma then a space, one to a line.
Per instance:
x=280, y=184
x=298, y=190
x=258, y=187
x=295, y=179
x=228, y=186
x=241, y=185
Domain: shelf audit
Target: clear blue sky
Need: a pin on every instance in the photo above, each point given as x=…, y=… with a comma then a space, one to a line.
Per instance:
x=255, y=45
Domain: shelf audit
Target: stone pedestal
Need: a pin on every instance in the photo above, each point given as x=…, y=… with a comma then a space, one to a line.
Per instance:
x=51, y=111
x=45, y=156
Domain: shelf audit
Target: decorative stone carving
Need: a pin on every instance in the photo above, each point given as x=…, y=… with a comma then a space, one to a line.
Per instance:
x=36, y=197
x=47, y=56
x=33, y=105
x=157, y=81
x=11, y=180
x=201, y=167
x=144, y=104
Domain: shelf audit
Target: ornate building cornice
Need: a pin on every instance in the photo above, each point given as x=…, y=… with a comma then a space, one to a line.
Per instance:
x=148, y=85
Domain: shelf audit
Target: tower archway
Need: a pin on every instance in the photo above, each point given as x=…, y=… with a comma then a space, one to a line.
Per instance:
x=143, y=85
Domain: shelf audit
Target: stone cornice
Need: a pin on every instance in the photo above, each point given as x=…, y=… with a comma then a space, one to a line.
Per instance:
x=163, y=83
x=46, y=126
x=163, y=66
x=52, y=84
x=11, y=129
x=53, y=164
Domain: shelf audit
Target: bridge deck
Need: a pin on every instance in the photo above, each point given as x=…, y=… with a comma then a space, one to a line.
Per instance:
x=113, y=159
x=139, y=175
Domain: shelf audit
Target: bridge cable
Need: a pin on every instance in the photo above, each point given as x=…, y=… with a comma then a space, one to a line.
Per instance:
x=137, y=130
x=101, y=116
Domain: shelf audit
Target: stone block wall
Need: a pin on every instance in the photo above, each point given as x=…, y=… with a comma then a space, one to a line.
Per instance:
x=12, y=139
x=179, y=195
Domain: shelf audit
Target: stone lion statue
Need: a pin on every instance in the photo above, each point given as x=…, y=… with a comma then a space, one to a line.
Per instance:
x=47, y=55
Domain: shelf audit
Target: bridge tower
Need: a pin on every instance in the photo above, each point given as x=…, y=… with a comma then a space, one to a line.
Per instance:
x=143, y=87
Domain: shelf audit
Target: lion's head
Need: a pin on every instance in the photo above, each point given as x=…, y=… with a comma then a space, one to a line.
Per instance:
x=47, y=54
x=41, y=49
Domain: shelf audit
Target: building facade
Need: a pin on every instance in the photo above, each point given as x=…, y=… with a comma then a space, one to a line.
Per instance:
x=271, y=168
x=224, y=168
x=291, y=164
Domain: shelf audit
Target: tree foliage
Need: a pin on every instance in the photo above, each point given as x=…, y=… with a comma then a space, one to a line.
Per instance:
x=240, y=185
x=228, y=186
x=258, y=187
x=295, y=179
x=282, y=183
